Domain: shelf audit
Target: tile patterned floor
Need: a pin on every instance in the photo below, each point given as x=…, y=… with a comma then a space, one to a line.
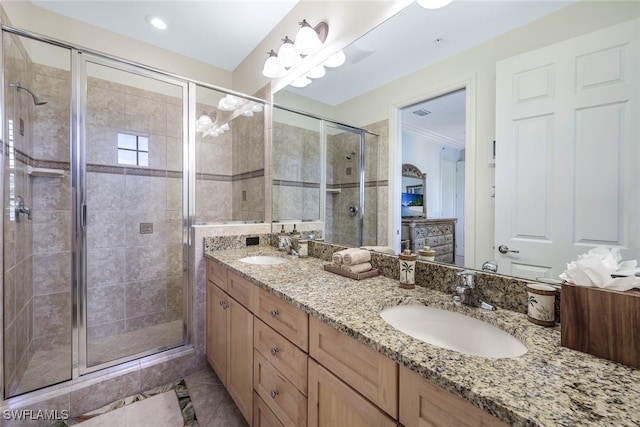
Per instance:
x=203, y=402
x=211, y=402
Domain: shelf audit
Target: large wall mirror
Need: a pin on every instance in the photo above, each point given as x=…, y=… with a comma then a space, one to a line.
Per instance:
x=418, y=52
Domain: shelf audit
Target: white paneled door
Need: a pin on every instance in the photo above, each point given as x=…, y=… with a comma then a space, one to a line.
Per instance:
x=568, y=152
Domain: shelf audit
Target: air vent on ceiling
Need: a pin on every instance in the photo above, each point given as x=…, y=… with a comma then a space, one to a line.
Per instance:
x=422, y=112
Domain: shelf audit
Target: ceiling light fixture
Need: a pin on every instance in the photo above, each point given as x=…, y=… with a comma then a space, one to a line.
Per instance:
x=156, y=22
x=308, y=41
x=433, y=4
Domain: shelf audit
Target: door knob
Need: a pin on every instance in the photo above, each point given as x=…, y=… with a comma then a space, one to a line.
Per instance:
x=503, y=249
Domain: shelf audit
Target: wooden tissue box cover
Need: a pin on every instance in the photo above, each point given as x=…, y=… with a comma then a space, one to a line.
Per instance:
x=601, y=322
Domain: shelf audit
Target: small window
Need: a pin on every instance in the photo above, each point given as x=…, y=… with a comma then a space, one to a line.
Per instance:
x=133, y=150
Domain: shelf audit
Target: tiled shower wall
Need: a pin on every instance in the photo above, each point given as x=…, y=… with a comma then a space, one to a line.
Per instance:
x=296, y=176
x=18, y=251
x=230, y=171
x=343, y=176
x=134, y=279
x=249, y=166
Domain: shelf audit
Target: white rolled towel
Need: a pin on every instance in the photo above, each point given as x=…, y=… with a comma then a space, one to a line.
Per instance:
x=357, y=268
x=357, y=256
x=338, y=257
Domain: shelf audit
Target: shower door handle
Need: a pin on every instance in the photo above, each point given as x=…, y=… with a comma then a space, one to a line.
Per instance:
x=83, y=215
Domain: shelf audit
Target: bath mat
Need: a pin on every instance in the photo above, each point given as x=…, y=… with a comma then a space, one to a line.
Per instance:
x=173, y=397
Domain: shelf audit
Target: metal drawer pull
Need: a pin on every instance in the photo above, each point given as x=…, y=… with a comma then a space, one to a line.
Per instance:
x=275, y=312
x=221, y=302
x=273, y=393
x=274, y=351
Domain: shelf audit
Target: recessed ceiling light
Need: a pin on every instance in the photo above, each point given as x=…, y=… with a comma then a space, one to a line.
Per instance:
x=156, y=22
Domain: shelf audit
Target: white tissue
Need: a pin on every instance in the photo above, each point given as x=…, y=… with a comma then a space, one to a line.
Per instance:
x=596, y=267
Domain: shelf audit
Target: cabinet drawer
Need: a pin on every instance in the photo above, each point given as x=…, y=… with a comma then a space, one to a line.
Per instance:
x=262, y=415
x=289, y=321
x=423, y=403
x=372, y=374
x=286, y=402
x=284, y=356
x=241, y=290
x=217, y=274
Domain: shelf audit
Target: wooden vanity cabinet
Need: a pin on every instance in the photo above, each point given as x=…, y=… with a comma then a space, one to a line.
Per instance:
x=229, y=333
x=423, y=403
x=263, y=363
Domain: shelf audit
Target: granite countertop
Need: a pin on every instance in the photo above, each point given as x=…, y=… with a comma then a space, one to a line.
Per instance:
x=550, y=385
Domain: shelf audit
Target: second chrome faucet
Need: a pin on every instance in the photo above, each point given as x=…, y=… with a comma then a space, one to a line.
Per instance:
x=468, y=293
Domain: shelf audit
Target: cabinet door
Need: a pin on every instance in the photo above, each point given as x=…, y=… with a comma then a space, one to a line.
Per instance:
x=240, y=357
x=333, y=403
x=216, y=342
x=423, y=403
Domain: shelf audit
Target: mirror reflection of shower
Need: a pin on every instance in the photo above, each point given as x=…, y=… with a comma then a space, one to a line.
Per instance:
x=37, y=99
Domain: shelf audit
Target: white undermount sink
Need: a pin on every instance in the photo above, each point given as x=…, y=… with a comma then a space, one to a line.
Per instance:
x=453, y=331
x=264, y=260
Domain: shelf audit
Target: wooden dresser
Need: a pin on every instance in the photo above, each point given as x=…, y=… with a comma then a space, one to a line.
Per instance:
x=438, y=233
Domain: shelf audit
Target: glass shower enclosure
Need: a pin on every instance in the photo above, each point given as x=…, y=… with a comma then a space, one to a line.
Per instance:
x=95, y=212
x=328, y=172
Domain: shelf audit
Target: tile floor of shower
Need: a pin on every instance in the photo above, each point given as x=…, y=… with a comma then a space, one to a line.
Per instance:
x=53, y=366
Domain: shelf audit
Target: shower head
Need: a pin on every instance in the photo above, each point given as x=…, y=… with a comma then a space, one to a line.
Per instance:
x=350, y=156
x=37, y=100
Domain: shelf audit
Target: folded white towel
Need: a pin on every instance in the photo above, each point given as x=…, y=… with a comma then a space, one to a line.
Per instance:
x=357, y=256
x=338, y=257
x=357, y=268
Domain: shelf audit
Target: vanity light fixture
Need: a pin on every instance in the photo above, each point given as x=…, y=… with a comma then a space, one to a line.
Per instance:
x=156, y=22
x=433, y=4
x=308, y=41
x=272, y=68
x=287, y=55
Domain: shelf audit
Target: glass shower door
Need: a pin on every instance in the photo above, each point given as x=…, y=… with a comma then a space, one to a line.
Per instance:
x=37, y=309
x=134, y=213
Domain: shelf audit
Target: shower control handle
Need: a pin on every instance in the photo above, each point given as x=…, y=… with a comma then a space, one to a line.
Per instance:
x=353, y=210
x=21, y=208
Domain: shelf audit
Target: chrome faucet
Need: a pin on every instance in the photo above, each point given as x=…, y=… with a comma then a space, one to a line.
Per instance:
x=467, y=293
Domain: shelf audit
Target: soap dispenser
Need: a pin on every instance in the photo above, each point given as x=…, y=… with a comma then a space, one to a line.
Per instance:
x=282, y=239
x=426, y=254
x=407, y=262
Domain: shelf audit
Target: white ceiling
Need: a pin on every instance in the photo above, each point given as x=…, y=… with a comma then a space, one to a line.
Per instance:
x=217, y=32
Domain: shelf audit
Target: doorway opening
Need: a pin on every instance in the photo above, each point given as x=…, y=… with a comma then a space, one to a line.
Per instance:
x=433, y=138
